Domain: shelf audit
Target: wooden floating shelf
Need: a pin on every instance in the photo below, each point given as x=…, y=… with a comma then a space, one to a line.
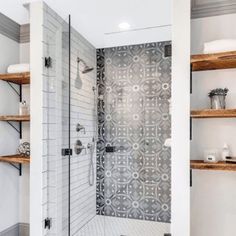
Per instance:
x=18, y=159
x=17, y=78
x=201, y=165
x=215, y=61
x=15, y=118
x=210, y=113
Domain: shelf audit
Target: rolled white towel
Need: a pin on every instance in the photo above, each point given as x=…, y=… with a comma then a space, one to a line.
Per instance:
x=18, y=68
x=223, y=45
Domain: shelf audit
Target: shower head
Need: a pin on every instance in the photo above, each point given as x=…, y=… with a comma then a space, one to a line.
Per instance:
x=87, y=68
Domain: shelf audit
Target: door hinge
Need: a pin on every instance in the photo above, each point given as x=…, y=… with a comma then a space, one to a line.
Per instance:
x=48, y=223
x=66, y=152
x=48, y=62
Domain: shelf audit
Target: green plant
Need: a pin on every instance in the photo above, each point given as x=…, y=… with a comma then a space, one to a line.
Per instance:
x=218, y=91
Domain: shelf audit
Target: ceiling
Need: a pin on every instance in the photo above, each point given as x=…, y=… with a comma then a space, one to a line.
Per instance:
x=98, y=20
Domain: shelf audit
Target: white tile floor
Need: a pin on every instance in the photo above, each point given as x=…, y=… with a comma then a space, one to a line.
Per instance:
x=113, y=226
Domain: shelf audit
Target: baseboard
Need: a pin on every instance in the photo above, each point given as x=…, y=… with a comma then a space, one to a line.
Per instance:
x=20, y=229
x=24, y=229
x=11, y=231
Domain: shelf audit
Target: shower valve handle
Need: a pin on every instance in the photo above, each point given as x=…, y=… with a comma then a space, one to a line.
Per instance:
x=79, y=147
x=80, y=127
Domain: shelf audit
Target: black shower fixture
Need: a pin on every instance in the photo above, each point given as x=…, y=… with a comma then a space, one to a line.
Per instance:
x=87, y=68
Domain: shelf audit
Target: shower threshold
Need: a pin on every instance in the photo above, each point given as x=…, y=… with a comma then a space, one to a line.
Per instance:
x=114, y=226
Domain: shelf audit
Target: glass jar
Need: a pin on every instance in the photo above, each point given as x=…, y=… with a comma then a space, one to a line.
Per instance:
x=218, y=101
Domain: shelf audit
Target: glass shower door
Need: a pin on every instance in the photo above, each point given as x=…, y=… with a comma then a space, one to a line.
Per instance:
x=57, y=124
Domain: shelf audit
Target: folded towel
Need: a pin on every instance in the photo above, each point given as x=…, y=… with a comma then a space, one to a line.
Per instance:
x=18, y=68
x=223, y=45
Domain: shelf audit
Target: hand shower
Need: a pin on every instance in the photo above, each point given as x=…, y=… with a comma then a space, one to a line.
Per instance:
x=91, y=174
x=91, y=146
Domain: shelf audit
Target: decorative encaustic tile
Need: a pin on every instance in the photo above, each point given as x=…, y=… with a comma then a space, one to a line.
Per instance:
x=134, y=88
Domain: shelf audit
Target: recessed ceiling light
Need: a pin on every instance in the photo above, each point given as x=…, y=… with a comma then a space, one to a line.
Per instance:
x=124, y=26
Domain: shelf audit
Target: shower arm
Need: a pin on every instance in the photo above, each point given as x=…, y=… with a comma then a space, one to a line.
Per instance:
x=80, y=60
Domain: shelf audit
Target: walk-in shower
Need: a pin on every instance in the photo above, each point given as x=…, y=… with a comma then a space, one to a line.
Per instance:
x=119, y=183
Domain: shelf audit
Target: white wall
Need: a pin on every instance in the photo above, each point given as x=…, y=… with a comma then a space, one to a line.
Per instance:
x=180, y=117
x=9, y=139
x=213, y=208
x=36, y=86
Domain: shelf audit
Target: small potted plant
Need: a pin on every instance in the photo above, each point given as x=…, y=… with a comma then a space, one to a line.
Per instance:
x=217, y=97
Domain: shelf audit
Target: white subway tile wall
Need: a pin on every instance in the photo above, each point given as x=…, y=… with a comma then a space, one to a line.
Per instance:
x=55, y=125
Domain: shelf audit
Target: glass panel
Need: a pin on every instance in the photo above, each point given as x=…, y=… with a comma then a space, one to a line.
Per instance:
x=83, y=137
x=56, y=122
x=134, y=165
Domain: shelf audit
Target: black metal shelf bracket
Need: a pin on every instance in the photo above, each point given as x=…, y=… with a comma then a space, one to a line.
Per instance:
x=191, y=128
x=19, y=93
x=19, y=168
x=191, y=78
x=14, y=89
x=15, y=128
x=191, y=177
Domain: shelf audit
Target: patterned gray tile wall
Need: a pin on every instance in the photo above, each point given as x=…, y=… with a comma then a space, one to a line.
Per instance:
x=134, y=90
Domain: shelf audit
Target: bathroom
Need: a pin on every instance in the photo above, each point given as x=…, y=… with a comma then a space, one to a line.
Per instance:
x=96, y=98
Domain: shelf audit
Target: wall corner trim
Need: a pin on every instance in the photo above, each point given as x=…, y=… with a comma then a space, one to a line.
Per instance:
x=14, y=31
x=208, y=8
x=25, y=33
x=9, y=28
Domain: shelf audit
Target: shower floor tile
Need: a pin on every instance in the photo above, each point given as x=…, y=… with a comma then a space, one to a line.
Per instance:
x=113, y=226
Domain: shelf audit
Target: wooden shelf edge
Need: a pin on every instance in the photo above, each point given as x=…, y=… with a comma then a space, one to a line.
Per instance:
x=17, y=78
x=15, y=159
x=214, y=61
x=210, y=113
x=223, y=166
x=15, y=118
